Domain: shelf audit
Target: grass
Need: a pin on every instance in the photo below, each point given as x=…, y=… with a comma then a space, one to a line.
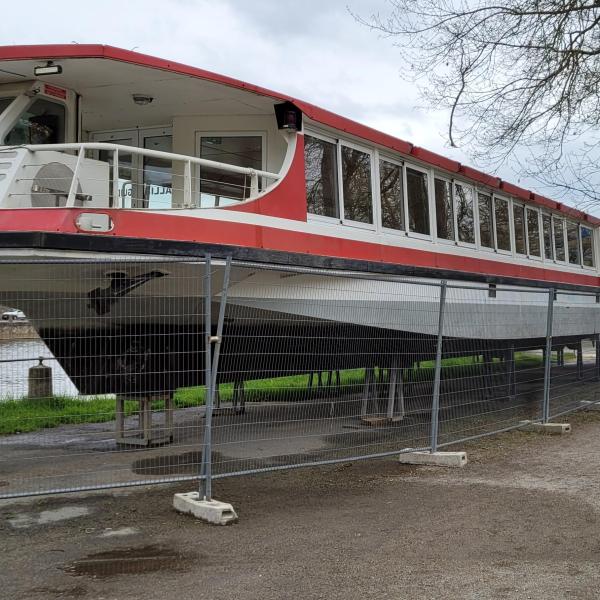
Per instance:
x=27, y=414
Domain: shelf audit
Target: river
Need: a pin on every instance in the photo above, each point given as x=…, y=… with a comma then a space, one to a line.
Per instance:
x=13, y=374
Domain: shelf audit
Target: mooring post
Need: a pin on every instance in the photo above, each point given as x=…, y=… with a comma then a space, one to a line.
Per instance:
x=548, y=357
x=435, y=408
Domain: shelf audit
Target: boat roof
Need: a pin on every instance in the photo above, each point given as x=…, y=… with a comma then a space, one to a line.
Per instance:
x=30, y=55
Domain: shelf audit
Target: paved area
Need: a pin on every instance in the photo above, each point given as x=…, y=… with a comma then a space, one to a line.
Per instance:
x=520, y=521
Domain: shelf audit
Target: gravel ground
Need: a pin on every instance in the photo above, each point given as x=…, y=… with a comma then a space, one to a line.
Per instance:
x=520, y=521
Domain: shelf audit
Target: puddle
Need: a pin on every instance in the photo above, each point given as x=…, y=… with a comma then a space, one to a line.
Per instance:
x=64, y=513
x=121, y=532
x=125, y=561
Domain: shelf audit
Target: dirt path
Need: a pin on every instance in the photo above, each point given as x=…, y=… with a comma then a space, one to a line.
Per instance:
x=520, y=521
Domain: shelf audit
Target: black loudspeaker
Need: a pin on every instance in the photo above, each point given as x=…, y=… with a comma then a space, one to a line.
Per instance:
x=288, y=116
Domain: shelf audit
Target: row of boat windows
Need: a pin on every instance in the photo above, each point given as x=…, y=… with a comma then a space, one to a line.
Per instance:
x=339, y=186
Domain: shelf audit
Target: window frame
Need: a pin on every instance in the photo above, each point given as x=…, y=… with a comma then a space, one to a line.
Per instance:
x=591, y=229
x=535, y=209
x=564, y=234
x=398, y=163
x=490, y=195
x=474, y=244
x=324, y=138
x=578, y=265
x=510, y=230
x=374, y=192
x=449, y=180
x=428, y=172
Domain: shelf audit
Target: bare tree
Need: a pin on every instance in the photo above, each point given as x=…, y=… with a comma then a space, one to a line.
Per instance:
x=519, y=77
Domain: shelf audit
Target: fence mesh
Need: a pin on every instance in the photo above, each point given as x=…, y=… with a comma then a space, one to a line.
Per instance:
x=303, y=367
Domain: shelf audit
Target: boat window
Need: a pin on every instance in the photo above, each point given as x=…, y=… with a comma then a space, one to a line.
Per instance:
x=218, y=187
x=443, y=209
x=573, y=243
x=486, y=231
x=43, y=122
x=547, y=232
x=559, y=239
x=5, y=103
x=390, y=188
x=320, y=164
x=519, y=220
x=418, y=201
x=464, y=213
x=501, y=214
x=533, y=232
x=158, y=173
x=356, y=185
x=587, y=246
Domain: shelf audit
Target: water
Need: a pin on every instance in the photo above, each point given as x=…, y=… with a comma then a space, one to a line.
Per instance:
x=13, y=375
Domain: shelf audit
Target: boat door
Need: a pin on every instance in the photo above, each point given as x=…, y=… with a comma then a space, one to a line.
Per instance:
x=144, y=182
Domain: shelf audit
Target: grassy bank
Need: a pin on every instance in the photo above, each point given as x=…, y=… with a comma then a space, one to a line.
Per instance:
x=26, y=415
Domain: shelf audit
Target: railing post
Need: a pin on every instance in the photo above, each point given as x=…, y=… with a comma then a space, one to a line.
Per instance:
x=115, y=191
x=187, y=184
x=75, y=180
x=253, y=184
x=206, y=471
x=435, y=408
x=548, y=357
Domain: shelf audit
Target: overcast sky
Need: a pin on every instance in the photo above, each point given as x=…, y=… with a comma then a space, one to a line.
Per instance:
x=312, y=50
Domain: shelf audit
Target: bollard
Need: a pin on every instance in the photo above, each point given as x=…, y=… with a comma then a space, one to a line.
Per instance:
x=40, y=381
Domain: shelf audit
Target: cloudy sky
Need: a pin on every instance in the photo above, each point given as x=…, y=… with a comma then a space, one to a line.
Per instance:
x=313, y=50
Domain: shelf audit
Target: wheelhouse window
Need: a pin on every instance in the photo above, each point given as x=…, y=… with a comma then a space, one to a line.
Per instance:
x=444, y=211
x=502, y=216
x=559, y=239
x=356, y=185
x=547, y=236
x=464, y=213
x=220, y=188
x=320, y=160
x=418, y=201
x=43, y=122
x=533, y=232
x=390, y=189
x=587, y=246
x=519, y=222
x=486, y=231
x=573, y=243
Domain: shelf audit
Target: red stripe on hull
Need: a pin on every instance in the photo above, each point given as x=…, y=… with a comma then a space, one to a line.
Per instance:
x=158, y=226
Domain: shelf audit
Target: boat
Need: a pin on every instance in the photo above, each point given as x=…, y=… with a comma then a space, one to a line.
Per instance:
x=120, y=172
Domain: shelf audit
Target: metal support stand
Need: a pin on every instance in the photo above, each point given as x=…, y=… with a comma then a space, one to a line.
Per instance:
x=369, y=390
x=395, y=407
x=579, y=360
x=144, y=435
x=597, y=344
x=239, y=397
x=510, y=373
x=548, y=358
x=435, y=407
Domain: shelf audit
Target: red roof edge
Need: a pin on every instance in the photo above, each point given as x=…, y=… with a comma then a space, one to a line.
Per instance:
x=543, y=201
x=435, y=159
x=515, y=190
x=480, y=176
x=330, y=119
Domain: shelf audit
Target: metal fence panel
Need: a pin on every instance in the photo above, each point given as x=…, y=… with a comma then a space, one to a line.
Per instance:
x=124, y=342
x=169, y=370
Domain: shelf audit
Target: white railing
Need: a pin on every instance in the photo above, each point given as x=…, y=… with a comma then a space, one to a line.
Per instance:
x=188, y=162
